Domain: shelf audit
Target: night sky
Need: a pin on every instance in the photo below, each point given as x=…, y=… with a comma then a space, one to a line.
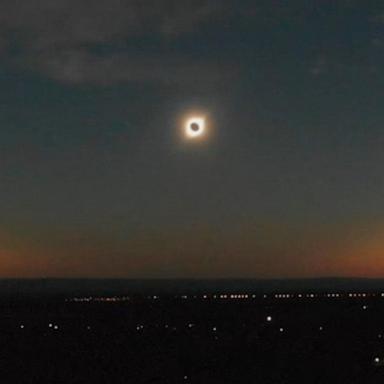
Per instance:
x=95, y=180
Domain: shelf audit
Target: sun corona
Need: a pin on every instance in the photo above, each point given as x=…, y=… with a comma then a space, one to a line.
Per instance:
x=194, y=127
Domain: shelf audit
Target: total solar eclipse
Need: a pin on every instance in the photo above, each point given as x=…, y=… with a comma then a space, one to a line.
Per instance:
x=194, y=127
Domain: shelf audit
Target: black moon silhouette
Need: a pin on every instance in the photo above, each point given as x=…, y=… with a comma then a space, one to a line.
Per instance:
x=195, y=127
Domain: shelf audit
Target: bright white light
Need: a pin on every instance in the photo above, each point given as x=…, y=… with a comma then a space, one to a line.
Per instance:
x=194, y=127
x=269, y=318
x=377, y=360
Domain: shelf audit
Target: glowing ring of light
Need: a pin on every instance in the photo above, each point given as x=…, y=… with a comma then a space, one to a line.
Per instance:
x=194, y=127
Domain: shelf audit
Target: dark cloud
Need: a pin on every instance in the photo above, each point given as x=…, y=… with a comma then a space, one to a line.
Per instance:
x=82, y=67
x=58, y=37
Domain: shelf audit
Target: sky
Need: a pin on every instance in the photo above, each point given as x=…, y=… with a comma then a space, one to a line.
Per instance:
x=96, y=181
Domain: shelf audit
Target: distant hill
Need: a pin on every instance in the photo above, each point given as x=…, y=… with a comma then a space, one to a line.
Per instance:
x=71, y=287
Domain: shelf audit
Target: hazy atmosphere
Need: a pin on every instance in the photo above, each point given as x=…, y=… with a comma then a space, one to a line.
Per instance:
x=98, y=180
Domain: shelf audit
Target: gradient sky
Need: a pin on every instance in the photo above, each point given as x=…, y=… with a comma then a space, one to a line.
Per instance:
x=94, y=180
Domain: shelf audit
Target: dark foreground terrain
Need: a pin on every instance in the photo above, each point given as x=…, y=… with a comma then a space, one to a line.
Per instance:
x=254, y=339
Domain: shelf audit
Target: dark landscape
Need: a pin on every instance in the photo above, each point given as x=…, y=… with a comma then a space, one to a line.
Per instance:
x=200, y=333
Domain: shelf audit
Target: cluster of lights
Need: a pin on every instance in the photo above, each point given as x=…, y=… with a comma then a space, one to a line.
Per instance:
x=327, y=295
x=100, y=299
x=233, y=296
x=283, y=296
x=239, y=296
x=293, y=296
x=82, y=299
x=361, y=295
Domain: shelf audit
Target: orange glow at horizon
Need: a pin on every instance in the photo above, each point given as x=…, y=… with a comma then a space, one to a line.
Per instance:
x=364, y=256
x=273, y=252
